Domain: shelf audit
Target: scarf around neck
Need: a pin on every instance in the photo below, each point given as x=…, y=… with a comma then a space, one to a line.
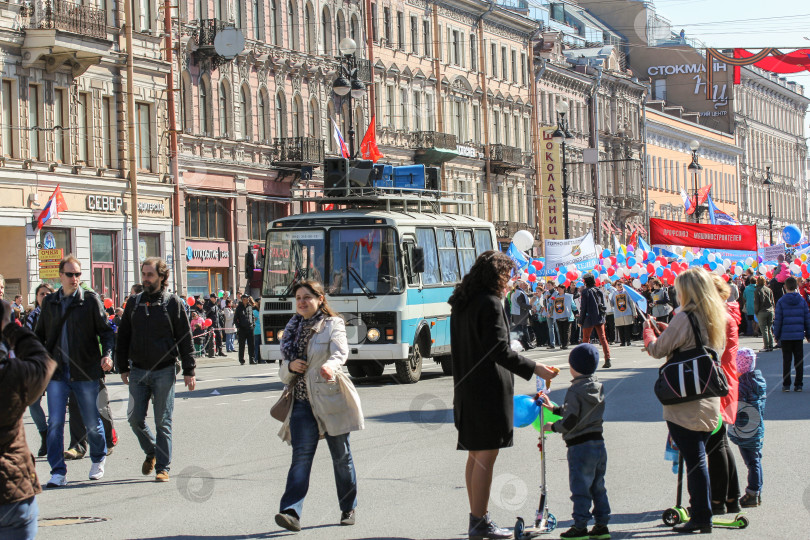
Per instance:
x=296, y=336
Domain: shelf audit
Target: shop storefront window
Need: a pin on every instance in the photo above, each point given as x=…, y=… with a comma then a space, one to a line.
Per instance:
x=206, y=217
x=149, y=246
x=102, y=263
x=198, y=283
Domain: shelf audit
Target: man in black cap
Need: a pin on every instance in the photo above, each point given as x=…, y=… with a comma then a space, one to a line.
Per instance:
x=244, y=321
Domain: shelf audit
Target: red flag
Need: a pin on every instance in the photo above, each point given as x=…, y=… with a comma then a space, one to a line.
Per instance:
x=633, y=239
x=685, y=233
x=703, y=193
x=368, y=146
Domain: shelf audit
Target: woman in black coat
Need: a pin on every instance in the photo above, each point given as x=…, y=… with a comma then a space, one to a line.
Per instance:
x=483, y=368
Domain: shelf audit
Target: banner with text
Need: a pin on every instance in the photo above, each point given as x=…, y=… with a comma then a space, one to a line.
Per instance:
x=683, y=233
x=579, y=251
x=551, y=182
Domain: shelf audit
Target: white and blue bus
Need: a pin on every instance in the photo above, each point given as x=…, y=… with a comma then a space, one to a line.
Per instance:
x=388, y=272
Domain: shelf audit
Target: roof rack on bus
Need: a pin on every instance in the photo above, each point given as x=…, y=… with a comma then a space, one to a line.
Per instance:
x=379, y=197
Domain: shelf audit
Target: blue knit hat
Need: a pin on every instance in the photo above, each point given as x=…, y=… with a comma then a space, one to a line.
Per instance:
x=584, y=358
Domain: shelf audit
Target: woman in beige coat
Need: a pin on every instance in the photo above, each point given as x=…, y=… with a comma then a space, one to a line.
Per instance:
x=691, y=423
x=325, y=404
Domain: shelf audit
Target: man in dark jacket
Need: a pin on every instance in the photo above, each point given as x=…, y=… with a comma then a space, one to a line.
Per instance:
x=72, y=324
x=22, y=381
x=211, y=308
x=244, y=321
x=592, y=315
x=154, y=334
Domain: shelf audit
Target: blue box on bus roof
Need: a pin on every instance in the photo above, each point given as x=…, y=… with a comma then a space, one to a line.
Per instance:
x=409, y=176
x=383, y=175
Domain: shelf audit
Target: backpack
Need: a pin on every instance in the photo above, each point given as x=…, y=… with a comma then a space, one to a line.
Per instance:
x=163, y=300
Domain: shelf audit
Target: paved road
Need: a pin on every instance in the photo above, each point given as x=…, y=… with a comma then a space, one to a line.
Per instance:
x=230, y=467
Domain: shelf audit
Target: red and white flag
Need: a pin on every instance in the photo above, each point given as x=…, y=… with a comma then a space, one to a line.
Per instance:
x=344, y=150
x=52, y=208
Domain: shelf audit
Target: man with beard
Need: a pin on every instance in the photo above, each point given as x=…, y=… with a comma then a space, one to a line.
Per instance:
x=154, y=335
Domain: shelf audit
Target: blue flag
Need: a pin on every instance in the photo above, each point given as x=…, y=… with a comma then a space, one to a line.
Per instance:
x=516, y=255
x=644, y=245
x=637, y=298
x=717, y=216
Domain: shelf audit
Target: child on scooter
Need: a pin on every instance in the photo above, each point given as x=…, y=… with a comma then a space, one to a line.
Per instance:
x=581, y=427
x=748, y=430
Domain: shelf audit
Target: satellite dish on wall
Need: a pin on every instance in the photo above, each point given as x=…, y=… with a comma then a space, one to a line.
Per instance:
x=229, y=42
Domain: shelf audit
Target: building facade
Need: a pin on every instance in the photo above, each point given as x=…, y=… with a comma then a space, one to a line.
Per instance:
x=65, y=123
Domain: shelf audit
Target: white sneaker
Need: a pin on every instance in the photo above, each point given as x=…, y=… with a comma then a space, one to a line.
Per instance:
x=97, y=469
x=57, y=480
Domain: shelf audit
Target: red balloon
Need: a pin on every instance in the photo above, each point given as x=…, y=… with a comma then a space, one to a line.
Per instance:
x=532, y=278
x=650, y=268
x=108, y=303
x=726, y=277
x=797, y=261
x=611, y=271
x=567, y=283
x=539, y=265
x=190, y=301
x=208, y=322
x=769, y=274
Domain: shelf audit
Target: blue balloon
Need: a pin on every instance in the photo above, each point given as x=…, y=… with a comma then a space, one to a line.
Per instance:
x=620, y=257
x=713, y=265
x=634, y=274
x=580, y=283
x=650, y=256
x=643, y=278
x=792, y=234
x=605, y=253
x=631, y=261
x=526, y=410
x=561, y=279
x=659, y=271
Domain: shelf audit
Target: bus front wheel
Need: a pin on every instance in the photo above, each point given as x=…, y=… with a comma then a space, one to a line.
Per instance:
x=356, y=370
x=409, y=371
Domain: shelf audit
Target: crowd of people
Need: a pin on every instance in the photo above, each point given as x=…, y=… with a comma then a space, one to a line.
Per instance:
x=70, y=341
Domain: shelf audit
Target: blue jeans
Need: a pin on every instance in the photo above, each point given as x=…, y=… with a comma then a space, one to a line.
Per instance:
x=159, y=387
x=304, y=438
x=18, y=521
x=86, y=393
x=692, y=445
x=587, y=463
x=257, y=352
x=229, y=338
x=553, y=337
x=753, y=460
x=38, y=415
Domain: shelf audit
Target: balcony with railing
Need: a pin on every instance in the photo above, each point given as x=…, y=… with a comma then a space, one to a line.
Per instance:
x=433, y=147
x=504, y=158
x=297, y=152
x=61, y=32
x=205, y=34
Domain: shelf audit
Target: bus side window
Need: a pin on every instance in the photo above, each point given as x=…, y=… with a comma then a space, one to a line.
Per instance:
x=426, y=239
x=410, y=272
x=483, y=241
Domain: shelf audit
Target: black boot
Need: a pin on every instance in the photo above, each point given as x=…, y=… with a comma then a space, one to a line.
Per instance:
x=691, y=526
x=485, y=529
x=43, y=447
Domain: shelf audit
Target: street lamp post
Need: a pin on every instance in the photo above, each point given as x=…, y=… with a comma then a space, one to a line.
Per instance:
x=694, y=169
x=559, y=136
x=769, y=182
x=347, y=83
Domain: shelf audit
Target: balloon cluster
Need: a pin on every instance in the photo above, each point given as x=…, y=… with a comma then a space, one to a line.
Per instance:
x=528, y=411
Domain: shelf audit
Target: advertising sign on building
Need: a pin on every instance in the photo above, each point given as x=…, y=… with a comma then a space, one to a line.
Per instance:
x=49, y=263
x=207, y=254
x=550, y=186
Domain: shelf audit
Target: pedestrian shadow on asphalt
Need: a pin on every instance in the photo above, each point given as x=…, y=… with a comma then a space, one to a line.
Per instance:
x=391, y=380
x=97, y=483
x=234, y=390
x=422, y=417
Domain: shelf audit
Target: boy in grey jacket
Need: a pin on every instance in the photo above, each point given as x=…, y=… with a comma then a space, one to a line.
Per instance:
x=581, y=426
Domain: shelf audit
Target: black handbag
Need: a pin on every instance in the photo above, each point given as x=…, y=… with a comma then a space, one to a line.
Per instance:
x=692, y=374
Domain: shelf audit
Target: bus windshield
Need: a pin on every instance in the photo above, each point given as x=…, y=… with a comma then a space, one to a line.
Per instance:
x=292, y=256
x=360, y=261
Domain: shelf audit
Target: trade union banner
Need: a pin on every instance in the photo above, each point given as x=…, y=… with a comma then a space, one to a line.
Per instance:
x=578, y=251
x=684, y=233
x=551, y=186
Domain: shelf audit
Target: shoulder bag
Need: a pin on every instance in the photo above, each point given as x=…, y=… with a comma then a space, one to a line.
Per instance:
x=281, y=408
x=692, y=374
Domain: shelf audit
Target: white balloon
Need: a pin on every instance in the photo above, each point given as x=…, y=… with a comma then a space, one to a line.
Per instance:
x=738, y=270
x=636, y=283
x=639, y=253
x=712, y=257
x=572, y=268
x=749, y=261
x=523, y=240
x=795, y=268
x=727, y=263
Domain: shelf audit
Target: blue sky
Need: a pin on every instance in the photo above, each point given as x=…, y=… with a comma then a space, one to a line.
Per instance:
x=744, y=23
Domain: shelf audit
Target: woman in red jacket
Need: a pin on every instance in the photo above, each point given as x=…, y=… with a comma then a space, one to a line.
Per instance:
x=722, y=467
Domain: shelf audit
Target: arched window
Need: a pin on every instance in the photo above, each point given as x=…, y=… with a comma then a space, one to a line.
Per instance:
x=246, y=116
x=292, y=24
x=205, y=107
x=310, y=28
x=314, y=119
x=340, y=26
x=326, y=25
x=297, y=117
x=281, y=115
x=263, y=113
x=355, y=35
x=225, y=110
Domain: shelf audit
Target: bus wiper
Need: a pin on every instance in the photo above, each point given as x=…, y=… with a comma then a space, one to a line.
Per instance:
x=296, y=278
x=363, y=285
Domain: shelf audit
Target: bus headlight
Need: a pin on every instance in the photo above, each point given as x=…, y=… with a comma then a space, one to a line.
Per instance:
x=373, y=334
x=280, y=335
